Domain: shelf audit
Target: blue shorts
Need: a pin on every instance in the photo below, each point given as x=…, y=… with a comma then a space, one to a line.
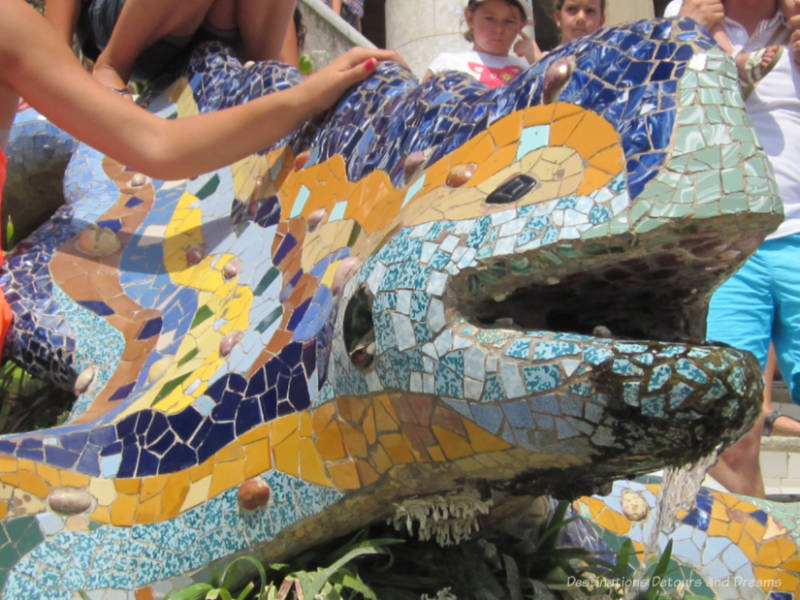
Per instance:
x=761, y=303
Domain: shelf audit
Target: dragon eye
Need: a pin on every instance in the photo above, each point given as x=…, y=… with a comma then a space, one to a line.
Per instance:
x=359, y=332
x=512, y=190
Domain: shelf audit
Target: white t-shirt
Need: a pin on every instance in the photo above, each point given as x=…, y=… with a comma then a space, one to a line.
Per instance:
x=489, y=69
x=774, y=109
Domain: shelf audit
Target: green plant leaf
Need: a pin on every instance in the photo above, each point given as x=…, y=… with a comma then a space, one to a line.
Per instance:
x=663, y=562
x=229, y=574
x=623, y=558
x=195, y=591
x=10, y=241
x=344, y=579
x=513, y=583
x=311, y=584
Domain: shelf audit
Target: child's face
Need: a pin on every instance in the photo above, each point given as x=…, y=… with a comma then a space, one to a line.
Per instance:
x=495, y=25
x=579, y=17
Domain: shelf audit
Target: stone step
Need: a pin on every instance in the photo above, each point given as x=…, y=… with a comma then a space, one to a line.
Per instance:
x=780, y=455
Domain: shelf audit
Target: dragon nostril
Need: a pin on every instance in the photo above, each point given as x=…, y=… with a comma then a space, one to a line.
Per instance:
x=512, y=190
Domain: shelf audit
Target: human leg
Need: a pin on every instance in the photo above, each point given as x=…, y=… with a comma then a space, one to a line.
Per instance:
x=741, y=314
x=141, y=23
x=786, y=330
x=775, y=422
x=63, y=16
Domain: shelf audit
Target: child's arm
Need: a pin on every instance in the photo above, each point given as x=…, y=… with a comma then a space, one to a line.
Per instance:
x=63, y=15
x=709, y=13
x=793, y=23
x=35, y=64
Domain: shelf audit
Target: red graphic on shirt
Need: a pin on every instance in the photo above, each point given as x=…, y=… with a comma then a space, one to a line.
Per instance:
x=494, y=77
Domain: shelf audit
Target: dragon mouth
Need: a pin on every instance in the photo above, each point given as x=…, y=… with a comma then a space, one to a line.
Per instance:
x=657, y=294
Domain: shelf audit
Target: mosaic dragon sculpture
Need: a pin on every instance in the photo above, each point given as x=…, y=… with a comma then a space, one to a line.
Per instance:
x=432, y=288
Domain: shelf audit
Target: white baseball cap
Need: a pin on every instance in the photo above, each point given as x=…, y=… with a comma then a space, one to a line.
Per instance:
x=524, y=6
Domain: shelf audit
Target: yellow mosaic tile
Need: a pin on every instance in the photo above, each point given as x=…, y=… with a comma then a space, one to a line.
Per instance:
x=256, y=434
x=398, y=448
x=476, y=150
x=453, y=445
x=50, y=475
x=148, y=511
x=594, y=135
x=614, y=522
x=152, y=486
x=593, y=180
x=123, y=511
x=174, y=494
x=368, y=425
x=345, y=475
x=257, y=458
x=284, y=427
x=330, y=443
x=197, y=493
x=436, y=453
x=226, y=476
x=366, y=473
x=498, y=161
x=322, y=415
x=8, y=465
x=285, y=455
x=483, y=441
x=201, y=471
x=385, y=416
x=312, y=468
x=754, y=528
x=717, y=528
x=748, y=546
x=33, y=484
x=354, y=440
x=562, y=129
x=352, y=409
x=538, y=115
x=565, y=110
x=231, y=452
x=609, y=161
x=101, y=514
x=506, y=130
x=130, y=485
x=786, y=548
x=381, y=459
x=792, y=564
x=735, y=531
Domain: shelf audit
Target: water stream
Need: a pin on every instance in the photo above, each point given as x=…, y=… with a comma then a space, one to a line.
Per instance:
x=679, y=487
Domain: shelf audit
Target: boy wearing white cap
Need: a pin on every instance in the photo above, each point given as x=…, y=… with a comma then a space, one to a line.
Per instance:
x=494, y=26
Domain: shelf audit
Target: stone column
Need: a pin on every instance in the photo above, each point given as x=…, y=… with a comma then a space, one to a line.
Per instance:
x=420, y=29
x=632, y=10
